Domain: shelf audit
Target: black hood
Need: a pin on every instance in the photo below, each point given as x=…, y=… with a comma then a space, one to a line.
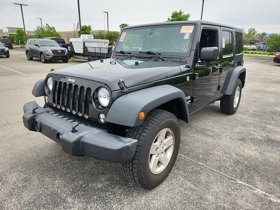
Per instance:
x=110, y=72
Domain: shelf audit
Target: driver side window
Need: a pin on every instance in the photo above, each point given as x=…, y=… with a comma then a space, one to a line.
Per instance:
x=209, y=38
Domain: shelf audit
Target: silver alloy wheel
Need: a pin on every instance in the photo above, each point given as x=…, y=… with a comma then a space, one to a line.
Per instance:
x=42, y=58
x=161, y=150
x=236, y=97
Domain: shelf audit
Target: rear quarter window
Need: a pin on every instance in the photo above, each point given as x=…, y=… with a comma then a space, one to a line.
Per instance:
x=239, y=44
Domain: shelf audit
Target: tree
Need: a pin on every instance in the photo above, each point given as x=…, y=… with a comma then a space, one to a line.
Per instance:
x=123, y=25
x=85, y=29
x=252, y=32
x=112, y=36
x=20, y=37
x=179, y=16
x=274, y=43
x=261, y=35
x=46, y=31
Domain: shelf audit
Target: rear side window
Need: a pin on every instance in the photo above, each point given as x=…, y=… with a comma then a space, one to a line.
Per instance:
x=239, y=44
x=227, y=39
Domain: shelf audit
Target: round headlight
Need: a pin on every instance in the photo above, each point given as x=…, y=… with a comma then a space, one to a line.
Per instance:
x=103, y=97
x=50, y=83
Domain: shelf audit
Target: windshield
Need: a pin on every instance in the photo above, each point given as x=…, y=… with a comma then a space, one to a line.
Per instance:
x=164, y=39
x=58, y=40
x=48, y=43
x=1, y=44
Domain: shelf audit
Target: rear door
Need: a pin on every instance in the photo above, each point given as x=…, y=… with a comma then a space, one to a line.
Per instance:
x=36, y=49
x=227, y=62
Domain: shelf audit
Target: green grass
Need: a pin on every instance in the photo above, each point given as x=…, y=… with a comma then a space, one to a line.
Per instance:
x=261, y=57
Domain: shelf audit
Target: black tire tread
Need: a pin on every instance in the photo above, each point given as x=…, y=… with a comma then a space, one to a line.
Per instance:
x=140, y=133
x=226, y=103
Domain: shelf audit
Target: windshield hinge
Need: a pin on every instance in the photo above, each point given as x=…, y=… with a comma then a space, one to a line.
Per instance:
x=122, y=85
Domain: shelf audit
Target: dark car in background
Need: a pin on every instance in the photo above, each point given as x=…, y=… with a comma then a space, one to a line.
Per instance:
x=277, y=58
x=4, y=51
x=45, y=50
x=59, y=40
x=7, y=42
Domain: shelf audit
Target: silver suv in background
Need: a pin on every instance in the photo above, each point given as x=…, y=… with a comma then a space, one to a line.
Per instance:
x=45, y=50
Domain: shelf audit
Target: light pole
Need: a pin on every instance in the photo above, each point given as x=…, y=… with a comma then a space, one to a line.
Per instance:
x=40, y=21
x=22, y=14
x=79, y=12
x=202, y=9
x=107, y=13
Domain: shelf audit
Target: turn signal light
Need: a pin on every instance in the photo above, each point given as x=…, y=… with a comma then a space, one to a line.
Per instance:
x=141, y=116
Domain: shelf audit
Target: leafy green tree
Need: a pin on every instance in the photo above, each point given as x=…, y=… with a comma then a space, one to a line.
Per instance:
x=251, y=34
x=123, y=25
x=112, y=36
x=46, y=31
x=85, y=29
x=12, y=38
x=274, y=43
x=261, y=35
x=20, y=37
x=179, y=16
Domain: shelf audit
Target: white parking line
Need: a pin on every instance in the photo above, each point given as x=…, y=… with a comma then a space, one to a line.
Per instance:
x=9, y=69
x=252, y=188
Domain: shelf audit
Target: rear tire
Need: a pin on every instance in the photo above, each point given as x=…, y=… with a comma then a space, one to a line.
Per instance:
x=230, y=103
x=157, y=149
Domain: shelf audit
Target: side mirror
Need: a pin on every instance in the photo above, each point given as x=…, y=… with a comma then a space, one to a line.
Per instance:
x=36, y=45
x=209, y=53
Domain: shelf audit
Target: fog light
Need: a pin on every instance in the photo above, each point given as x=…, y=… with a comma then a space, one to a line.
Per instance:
x=102, y=118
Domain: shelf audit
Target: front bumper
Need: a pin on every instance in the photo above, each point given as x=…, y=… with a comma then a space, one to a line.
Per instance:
x=49, y=56
x=3, y=52
x=276, y=60
x=75, y=137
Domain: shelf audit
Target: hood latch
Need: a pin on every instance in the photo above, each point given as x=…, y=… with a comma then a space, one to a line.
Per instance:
x=122, y=85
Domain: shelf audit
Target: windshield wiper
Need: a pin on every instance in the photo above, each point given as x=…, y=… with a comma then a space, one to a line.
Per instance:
x=123, y=52
x=158, y=55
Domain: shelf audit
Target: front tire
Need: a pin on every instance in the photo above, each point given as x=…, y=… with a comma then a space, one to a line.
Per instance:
x=28, y=56
x=157, y=149
x=8, y=54
x=230, y=103
x=42, y=58
x=65, y=60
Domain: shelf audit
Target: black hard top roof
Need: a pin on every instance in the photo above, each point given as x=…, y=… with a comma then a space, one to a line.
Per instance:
x=195, y=22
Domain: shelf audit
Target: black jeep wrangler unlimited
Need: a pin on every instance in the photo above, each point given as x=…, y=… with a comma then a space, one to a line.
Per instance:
x=125, y=109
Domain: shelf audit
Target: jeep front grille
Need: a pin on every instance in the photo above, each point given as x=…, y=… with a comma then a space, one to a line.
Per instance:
x=72, y=98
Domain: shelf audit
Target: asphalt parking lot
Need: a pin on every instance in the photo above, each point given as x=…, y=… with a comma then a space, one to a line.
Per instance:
x=225, y=162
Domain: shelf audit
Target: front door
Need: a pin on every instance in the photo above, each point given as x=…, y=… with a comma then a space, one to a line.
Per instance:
x=206, y=73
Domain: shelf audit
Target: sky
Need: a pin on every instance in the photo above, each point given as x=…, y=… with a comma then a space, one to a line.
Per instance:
x=63, y=14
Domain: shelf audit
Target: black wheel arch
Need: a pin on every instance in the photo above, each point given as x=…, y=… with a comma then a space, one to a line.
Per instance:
x=125, y=110
x=232, y=78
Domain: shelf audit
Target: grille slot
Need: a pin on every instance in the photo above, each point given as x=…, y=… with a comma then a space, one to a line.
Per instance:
x=58, y=52
x=72, y=98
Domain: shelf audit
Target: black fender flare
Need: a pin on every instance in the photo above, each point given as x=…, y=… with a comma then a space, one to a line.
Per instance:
x=39, y=88
x=125, y=110
x=231, y=79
